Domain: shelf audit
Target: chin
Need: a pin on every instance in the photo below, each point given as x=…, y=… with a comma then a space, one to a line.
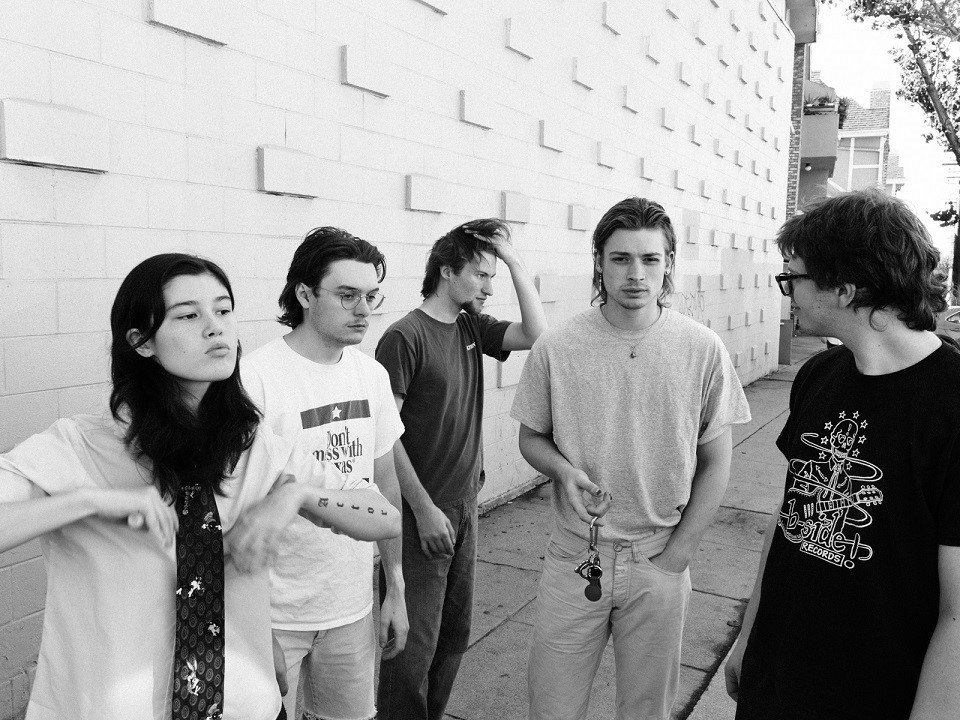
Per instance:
x=471, y=308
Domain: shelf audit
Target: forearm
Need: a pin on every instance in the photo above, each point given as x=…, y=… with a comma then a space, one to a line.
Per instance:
x=543, y=455
x=750, y=613
x=391, y=549
x=533, y=321
x=24, y=520
x=360, y=514
x=409, y=482
x=938, y=693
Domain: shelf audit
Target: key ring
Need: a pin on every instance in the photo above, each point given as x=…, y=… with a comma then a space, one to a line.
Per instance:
x=594, y=533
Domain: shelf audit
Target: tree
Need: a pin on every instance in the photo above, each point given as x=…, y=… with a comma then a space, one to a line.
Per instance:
x=930, y=67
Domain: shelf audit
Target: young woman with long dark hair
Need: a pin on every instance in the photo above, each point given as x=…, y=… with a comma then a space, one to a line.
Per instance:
x=157, y=519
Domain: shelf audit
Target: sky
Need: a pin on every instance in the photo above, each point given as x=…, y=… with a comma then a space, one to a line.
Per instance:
x=852, y=58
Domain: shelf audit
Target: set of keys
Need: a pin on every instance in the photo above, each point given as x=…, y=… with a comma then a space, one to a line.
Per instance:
x=589, y=569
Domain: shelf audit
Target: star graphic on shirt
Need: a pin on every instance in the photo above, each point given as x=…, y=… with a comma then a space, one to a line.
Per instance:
x=823, y=441
x=855, y=453
x=843, y=414
x=336, y=412
x=862, y=439
x=863, y=424
x=856, y=415
x=823, y=456
x=827, y=425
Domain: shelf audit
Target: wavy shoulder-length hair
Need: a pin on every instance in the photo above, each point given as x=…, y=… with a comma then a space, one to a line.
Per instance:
x=181, y=447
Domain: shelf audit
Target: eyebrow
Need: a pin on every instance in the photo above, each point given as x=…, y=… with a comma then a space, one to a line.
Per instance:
x=194, y=303
x=624, y=253
x=375, y=288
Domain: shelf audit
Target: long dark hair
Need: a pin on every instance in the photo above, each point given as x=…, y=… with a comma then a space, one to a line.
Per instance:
x=875, y=242
x=322, y=247
x=179, y=446
x=459, y=246
x=634, y=213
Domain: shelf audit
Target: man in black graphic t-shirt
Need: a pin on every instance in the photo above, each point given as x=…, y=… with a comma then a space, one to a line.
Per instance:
x=856, y=610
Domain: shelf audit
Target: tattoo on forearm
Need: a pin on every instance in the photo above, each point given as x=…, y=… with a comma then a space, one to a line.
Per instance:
x=325, y=502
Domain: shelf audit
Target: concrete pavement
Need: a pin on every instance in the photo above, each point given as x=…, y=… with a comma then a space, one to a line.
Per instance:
x=492, y=682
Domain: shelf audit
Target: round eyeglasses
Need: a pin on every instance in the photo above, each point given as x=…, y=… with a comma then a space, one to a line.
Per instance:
x=349, y=299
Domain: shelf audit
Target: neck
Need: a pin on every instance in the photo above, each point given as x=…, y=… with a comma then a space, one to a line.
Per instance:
x=634, y=320
x=439, y=307
x=304, y=341
x=895, y=347
x=193, y=392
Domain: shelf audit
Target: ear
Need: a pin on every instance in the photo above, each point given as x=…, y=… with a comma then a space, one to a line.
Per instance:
x=147, y=349
x=846, y=294
x=446, y=272
x=303, y=294
x=668, y=262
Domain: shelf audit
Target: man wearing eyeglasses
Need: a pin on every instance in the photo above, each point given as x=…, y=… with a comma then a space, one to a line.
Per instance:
x=318, y=390
x=434, y=356
x=855, y=613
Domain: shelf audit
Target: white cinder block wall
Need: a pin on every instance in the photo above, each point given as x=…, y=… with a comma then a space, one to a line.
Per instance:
x=230, y=128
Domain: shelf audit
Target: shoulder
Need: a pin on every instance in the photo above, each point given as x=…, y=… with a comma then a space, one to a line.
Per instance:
x=695, y=332
x=569, y=330
x=265, y=355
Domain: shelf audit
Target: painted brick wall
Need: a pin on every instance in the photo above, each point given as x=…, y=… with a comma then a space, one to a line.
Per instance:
x=230, y=129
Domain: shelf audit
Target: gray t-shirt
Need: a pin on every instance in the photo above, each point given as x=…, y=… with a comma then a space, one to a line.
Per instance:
x=632, y=424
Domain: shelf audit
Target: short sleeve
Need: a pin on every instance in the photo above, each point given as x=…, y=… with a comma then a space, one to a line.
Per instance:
x=783, y=439
x=948, y=510
x=48, y=460
x=252, y=383
x=491, y=336
x=725, y=404
x=397, y=356
x=389, y=425
x=532, y=404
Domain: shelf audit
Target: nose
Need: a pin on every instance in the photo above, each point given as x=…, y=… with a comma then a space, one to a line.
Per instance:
x=635, y=270
x=214, y=326
x=362, y=308
x=487, y=287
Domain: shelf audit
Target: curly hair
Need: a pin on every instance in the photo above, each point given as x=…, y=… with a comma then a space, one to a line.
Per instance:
x=875, y=242
x=633, y=213
x=459, y=246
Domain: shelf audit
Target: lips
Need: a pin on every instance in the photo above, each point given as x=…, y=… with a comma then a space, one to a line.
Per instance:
x=219, y=350
x=358, y=326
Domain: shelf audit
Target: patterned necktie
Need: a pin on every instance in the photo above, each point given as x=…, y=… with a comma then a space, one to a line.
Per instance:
x=198, y=654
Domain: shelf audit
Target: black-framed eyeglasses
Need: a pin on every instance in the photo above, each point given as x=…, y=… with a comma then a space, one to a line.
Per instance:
x=349, y=299
x=785, y=281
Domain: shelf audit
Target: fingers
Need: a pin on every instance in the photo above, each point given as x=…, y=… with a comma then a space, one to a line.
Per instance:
x=731, y=680
x=425, y=547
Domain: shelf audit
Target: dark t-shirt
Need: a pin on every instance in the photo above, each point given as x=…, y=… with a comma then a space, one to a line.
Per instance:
x=438, y=369
x=850, y=589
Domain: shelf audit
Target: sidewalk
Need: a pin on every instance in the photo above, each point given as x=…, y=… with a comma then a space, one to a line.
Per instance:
x=492, y=683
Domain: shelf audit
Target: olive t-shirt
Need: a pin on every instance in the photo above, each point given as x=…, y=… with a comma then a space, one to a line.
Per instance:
x=437, y=368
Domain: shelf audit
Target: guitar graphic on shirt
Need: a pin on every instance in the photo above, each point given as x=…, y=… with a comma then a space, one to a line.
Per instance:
x=869, y=495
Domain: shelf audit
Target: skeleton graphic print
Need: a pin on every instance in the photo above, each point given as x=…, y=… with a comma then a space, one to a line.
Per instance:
x=829, y=494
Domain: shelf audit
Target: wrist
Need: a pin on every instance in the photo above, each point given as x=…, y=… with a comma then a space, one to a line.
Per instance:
x=394, y=578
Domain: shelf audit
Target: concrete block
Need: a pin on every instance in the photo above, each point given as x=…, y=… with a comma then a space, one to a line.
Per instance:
x=668, y=118
x=727, y=196
x=206, y=19
x=366, y=71
x=632, y=98
x=653, y=48
x=737, y=359
x=735, y=21
x=741, y=284
x=441, y=7
x=46, y=362
x=614, y=18
x=145, y=152
x=767, y=58
x=766, y=347
x=281, y=171
x=212, y=162
x=20, y=417
x=756, y=284
x=752, y=243
x=131, y=44
x=84, y=305
x=763, y=10
x=743, y=75
x=585, y=72
x=691, y=234
x=739, y=158
x=718, y=148
x=649, y=169
x=45, y=252
x=701, y=33
x=681, y=181
x=29, y=584
x=64, y=26
x=515, y=207
x=710, y=93
x=606, y=154
x=6, y=599
x=723, y=282
x=753, y=41
x=755, y=166
x=673, y=9
x=283, y=87
x=551, y=135
x=781, y=75
x=723, y=55
x=27, y=308
x=425, y=193
x=707, y=189
x=24, y=72
x=731, y=108
x=716, y=238
x=684, y=73
x=776, y=143
x=578, y=217
x=769, y=174
x=694, y=136
x=45, y=134
x=477, y=109
x=521, y=37
x=744, y=203
x=758, y=89
x=735, y=241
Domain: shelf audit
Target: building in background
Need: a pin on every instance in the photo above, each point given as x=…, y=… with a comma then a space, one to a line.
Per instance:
x=863, y=157
x=229, y=129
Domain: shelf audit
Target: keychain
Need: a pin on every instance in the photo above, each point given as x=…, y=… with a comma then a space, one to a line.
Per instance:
x=589, y=569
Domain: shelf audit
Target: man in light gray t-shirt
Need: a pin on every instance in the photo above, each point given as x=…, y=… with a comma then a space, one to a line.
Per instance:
x=627, y=407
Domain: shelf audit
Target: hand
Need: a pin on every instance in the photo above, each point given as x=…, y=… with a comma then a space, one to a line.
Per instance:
x=588, y=500
x=502, y=246
x=670, y=562
x=393, y=615
x=142, y=509
x=437, y=536
x=253, y=541
x=280, y=666
x=731, y=671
